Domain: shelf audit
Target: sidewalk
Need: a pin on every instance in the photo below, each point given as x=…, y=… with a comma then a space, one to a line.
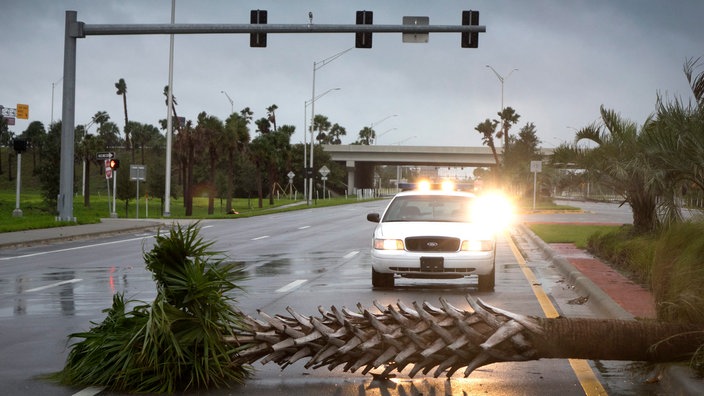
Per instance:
x=106, y=227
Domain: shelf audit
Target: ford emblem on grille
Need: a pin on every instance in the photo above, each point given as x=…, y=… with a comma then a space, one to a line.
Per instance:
x=432, y=244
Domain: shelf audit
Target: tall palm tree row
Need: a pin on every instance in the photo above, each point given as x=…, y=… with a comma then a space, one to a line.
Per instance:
x=121, y=87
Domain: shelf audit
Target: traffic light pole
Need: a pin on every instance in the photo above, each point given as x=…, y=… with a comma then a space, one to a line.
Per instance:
x=114, y=193
x=75, y=29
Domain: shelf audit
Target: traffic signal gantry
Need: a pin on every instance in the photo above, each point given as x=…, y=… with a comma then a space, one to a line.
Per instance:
x=258, y=28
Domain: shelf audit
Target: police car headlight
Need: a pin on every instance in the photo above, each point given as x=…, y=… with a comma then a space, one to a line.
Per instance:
x=477, y=246
x=388, y=244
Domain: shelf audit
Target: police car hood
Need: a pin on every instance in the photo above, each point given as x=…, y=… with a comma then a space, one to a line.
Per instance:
x=404, y=229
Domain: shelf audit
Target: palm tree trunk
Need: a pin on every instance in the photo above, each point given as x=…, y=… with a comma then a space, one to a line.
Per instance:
x=86, y=196
x=230, y=179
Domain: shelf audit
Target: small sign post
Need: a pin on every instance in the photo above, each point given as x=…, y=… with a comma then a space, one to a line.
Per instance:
x=324, y=172
x=290, y=183
x=105, y=156
x=535, y=167
x=138, y=173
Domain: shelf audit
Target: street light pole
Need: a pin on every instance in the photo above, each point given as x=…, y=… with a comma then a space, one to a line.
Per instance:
x=371, y=127
x=232, y=104
x=316, y=66
x=502, y=79
x=169, y=119
x=382, y=134
x=305, y=139
x=52, y=98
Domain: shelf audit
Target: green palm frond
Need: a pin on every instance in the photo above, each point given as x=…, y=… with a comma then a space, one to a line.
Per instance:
x=177, y=341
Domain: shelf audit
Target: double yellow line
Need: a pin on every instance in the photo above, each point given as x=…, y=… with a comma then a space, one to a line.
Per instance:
x=585, y=374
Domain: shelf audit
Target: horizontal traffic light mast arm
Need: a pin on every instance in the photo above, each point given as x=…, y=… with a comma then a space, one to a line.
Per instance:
x=81, y=29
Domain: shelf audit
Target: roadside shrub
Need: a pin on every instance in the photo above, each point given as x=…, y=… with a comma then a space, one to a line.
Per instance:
x=626, y=252
x=678, y=273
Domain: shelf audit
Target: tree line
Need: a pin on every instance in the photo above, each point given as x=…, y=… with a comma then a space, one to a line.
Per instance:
x=237, y=157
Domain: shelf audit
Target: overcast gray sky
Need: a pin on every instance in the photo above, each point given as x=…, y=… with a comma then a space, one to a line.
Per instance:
x=572, y=57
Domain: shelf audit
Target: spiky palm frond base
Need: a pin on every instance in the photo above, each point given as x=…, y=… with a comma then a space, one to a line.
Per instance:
x=422, y=337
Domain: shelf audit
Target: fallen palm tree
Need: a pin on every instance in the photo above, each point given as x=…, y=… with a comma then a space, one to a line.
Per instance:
x=446, y=339
x=192, y=336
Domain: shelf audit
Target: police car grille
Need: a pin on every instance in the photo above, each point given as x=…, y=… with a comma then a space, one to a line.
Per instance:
x=432, y=244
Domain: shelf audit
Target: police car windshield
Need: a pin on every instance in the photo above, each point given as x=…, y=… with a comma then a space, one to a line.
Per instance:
x=436, y=208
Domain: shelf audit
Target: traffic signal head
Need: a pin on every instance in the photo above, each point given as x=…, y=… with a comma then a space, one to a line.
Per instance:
x=363, y=39
x=470, y=39
x=20, y=145
x=114, y=164
x=256, y=17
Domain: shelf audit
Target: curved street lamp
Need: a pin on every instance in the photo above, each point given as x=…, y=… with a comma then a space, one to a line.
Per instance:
x=502, y=79
x=382, y=134
x=305, y=127
x=316, y=66
x=232, y=103
x=379, y=122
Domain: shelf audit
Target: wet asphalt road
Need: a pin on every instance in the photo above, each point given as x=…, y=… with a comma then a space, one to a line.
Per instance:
x=300, y=259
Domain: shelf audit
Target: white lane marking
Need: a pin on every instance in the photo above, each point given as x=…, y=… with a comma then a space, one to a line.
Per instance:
x=291, y=285
x=89, y=391
x=76, y=248
x=87, y=246
x=350, y=254
x=261, y=237
x=303, y=227
x=75, y=280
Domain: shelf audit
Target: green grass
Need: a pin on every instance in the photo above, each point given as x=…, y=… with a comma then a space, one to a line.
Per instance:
x=36, y=215
x=569, y=233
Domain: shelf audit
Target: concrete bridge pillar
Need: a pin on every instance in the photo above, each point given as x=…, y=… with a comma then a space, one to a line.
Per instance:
x=350, y=176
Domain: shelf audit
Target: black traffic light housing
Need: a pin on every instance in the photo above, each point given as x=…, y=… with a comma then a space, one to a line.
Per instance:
x=470, y=39
x=19, y=145
x=363, y=39
x=114, y=164
x=257, y=17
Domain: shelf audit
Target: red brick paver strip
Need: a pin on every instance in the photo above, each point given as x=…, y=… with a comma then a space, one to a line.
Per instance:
x=632, y=297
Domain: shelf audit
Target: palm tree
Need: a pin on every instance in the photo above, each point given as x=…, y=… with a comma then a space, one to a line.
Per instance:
x=99, y=118
x=271, y=115
x=507, y=117
x=621, y=161
x=121, y=86
x=488, y=129
x=366, y=136
x=144, y=135
x=176, y=120
x=336, y=131
x=676, y=144
x=322, y=125
x=176, y=342
x=35, y=135
x=86, y=149
x=235, y=140
x=210, y=132
x=445, y=338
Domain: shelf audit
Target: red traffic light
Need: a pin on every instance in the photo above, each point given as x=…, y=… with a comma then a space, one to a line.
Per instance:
x=114, y=164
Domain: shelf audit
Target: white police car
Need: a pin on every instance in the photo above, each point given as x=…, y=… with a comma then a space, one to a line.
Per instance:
x=434, y=233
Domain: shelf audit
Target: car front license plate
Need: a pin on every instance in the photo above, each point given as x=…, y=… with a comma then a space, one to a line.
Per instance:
x=432, y=264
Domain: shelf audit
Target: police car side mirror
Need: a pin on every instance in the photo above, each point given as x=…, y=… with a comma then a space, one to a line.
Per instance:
x=373, y=217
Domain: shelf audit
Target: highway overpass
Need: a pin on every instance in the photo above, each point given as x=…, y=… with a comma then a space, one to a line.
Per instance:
x=360, y=160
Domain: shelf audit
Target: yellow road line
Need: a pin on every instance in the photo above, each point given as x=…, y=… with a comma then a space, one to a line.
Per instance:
x=587, y=379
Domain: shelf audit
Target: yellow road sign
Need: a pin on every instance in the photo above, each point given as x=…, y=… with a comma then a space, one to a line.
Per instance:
x=22, y=111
